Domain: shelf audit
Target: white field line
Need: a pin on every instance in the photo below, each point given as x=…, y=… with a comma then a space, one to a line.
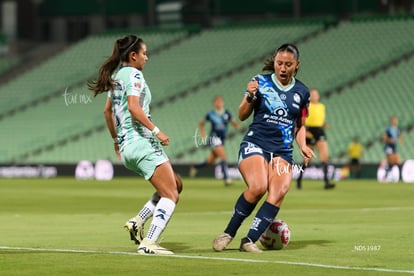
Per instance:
x=209, y=258
x=286, y=210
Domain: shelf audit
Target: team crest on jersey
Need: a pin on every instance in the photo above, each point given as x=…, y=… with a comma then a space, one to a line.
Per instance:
x=138, y=85
x=283, y=97
x=296, y=98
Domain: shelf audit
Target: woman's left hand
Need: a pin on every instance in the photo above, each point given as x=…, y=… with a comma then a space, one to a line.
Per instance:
x=164, y=139
x=307, y=154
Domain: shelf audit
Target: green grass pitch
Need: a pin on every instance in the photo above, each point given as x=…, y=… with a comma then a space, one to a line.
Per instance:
x=66, y=227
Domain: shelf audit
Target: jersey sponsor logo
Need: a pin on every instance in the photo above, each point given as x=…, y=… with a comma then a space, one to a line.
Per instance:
x=280, y=120
x=281, y=112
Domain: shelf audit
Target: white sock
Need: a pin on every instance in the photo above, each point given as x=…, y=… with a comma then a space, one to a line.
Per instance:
x=162, y=214
x=148, y=210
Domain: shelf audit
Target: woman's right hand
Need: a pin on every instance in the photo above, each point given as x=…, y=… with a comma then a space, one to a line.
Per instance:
x=252, y=87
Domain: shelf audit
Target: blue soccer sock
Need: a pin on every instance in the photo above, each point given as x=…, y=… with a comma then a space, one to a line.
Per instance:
x=261, y=221
x=242, y=210
x=223, y=165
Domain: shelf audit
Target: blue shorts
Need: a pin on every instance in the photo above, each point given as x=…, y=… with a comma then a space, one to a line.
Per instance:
x=390, y=149
x=216, y=141
x=248, y=149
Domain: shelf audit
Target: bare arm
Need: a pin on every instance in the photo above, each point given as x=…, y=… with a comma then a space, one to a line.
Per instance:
x=306, y=152
x=235, y=124
x=384, y=138
x=138, y=114
x=301, y=132
x=109, y=118
x=201, y=128
x=110, y=124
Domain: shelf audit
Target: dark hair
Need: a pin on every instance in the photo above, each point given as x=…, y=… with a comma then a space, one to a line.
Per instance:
x=269, y=63
x=122, y=48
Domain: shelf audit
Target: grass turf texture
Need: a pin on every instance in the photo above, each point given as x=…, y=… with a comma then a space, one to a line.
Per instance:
x=361, y=227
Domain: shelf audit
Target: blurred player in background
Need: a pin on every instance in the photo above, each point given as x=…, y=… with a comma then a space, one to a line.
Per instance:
x=316, y=136
x=355, y=150
x=219, y=118
x=279, y=103
x=391, y=137
x=137, y=140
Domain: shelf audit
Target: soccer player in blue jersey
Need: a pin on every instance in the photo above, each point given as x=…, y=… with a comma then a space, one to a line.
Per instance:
x=279, y=104
x=391, y=137
x=219, y=118
x=138, y=142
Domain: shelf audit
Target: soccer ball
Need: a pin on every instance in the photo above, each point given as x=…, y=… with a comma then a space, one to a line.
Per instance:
x=276, y=236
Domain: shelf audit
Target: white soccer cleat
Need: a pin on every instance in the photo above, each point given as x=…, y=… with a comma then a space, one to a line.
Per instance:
x=221, y=242
x=136, y=229
x=228, y=182
x=149, y=247
x=247, y=245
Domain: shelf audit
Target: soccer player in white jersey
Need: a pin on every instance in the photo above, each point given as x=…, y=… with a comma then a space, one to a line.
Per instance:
x=138, y=142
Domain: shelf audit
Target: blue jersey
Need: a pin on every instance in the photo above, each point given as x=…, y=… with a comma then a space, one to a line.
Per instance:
x=219, y=122
x=276, y=111
x=392, y=132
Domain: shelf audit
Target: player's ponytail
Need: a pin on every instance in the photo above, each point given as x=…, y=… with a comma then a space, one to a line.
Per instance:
x=269, y=63
x=122, y=48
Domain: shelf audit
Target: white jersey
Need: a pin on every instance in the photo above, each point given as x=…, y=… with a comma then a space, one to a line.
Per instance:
x=129, y=81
